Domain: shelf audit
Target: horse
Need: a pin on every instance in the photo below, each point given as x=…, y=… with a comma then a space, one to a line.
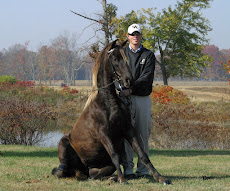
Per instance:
x=95, y=146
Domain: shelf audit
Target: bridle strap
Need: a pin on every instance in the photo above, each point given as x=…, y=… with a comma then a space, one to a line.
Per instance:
x=113, y=68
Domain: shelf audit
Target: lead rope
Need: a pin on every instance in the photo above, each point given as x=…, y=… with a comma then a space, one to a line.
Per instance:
x=117, y=80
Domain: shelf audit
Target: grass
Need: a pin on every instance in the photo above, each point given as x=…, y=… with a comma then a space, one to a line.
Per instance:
x=197, y=91
x=203, y=91
x=29, y=168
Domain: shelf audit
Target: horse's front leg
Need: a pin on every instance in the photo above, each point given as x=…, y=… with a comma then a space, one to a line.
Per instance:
x=107, y=143
x=131, y=138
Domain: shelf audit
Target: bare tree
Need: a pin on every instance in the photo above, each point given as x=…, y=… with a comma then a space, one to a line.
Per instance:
x=104, y=21
x=66, y=50
x=19, y=62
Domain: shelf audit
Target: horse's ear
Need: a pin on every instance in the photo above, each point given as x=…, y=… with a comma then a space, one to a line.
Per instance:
x=124, y=43
x=113, y=44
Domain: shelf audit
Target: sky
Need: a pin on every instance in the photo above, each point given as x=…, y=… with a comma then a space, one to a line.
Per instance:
x=39, y=21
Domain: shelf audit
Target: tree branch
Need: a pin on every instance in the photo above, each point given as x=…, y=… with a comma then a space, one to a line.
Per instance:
x=95, y=33
x=85, y=29
x=86, y=17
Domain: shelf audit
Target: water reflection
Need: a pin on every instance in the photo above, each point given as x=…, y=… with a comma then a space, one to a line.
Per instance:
x=51, y=139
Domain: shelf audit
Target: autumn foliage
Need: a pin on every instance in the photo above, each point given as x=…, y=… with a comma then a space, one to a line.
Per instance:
x=165, y=94
x=24, y=122
x=179, y=123
x=27, y=110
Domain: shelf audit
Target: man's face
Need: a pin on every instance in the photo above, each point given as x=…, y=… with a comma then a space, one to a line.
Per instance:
x=134, y=38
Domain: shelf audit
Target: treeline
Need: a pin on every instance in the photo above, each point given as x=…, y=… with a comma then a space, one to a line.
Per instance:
x=217, y=70
x=178, y=34
x=61, y=60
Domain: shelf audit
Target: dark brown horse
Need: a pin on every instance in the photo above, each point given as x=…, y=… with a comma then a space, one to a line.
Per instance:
x=94, y=148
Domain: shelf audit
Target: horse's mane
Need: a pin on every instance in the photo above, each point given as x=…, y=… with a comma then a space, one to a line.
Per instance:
x=100, y=59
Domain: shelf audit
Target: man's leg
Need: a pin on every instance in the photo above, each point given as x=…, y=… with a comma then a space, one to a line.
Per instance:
x=128, y=158
x=143, y=124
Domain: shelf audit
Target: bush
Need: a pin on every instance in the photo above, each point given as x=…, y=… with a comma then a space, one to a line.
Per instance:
x=180, y=124
x=68, y=91
x=8, y=79
x=24, y=84
x=24, y=122
x=66, y=104
x=165, y=94
x=27, y=90
x=191, y=126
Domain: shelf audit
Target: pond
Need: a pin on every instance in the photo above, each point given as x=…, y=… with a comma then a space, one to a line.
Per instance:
x=51, y=139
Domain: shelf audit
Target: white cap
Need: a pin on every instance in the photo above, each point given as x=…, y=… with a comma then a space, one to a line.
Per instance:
x=134, y=28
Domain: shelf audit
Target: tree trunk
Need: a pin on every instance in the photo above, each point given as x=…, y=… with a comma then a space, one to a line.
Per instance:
x=105, y=22
x=164, y=75
x=163, y=69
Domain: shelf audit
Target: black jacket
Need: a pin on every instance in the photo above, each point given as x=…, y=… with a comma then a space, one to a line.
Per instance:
x=142, y=65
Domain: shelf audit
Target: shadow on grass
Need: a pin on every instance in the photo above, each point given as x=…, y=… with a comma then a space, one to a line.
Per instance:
x=179, y=178
x=175, y=178
x=187, y=153
x=152, y=153
x=52, y=153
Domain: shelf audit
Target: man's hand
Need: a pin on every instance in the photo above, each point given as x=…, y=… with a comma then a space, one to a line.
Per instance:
x=125, y=92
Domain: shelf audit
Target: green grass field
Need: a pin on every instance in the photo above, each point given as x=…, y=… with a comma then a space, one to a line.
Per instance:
x=29, y=168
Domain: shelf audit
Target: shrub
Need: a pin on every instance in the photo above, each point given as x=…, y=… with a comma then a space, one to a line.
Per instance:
x=27, y=90
x=8, y=79
x=165, y=94
x=68, y=105
x=24, y=84
x=24, y=122
x=68, y=91
x=191, y=126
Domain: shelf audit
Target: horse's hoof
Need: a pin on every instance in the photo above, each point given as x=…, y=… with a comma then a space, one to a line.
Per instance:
x=164, y=181
x=125, y=183
x=80, y=176
x=58, y=172
x=113, y=179
x=167, y=182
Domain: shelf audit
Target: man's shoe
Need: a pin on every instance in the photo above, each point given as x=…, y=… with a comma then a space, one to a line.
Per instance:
x=130, y=176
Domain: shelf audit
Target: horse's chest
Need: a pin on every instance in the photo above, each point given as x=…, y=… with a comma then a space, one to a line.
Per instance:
x=117, y=121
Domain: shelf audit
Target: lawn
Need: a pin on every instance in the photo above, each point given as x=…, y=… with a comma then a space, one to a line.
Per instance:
x=29, y=168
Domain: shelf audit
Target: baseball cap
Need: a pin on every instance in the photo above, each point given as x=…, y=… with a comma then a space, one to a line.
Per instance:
x=134, y=28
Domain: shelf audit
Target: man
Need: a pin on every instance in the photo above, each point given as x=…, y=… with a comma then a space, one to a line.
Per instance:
x=142, y=65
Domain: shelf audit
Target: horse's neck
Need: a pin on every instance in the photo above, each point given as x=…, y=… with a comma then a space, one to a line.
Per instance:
x=105, y=85
x=108, y=95
x=108, y=92
x=104, y=80
x=110, y=101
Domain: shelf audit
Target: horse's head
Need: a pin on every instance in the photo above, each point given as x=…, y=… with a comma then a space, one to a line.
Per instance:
x=119, y=68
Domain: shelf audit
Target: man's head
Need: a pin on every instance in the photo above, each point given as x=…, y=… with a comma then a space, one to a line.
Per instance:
x=134, y=34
